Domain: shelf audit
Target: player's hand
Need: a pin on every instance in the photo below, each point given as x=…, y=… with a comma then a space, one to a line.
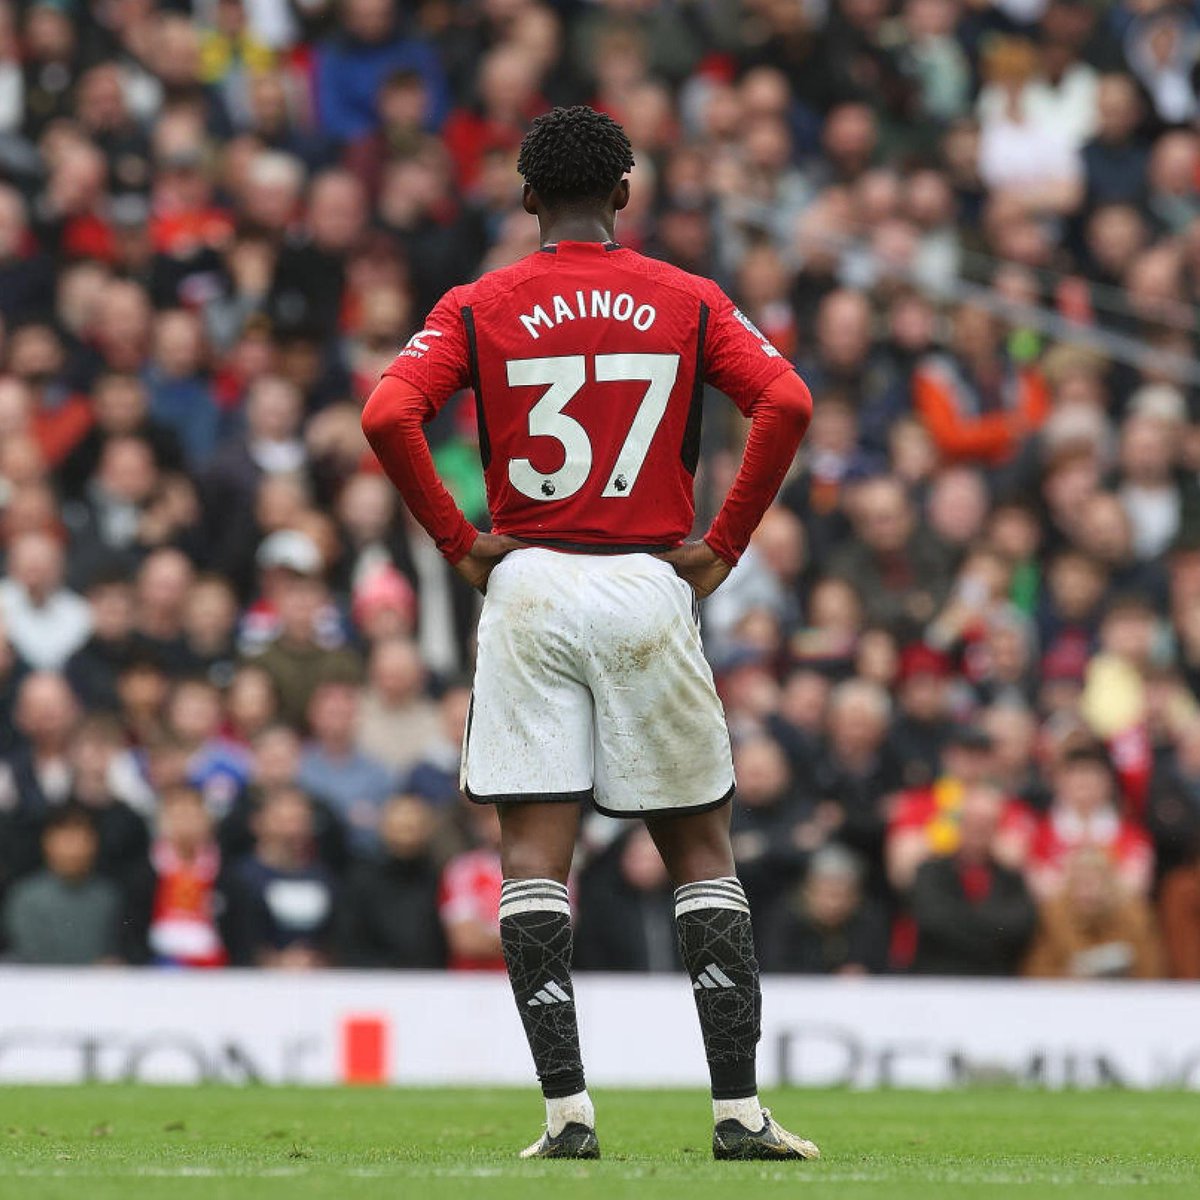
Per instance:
x=698, y=564
x=476, y=565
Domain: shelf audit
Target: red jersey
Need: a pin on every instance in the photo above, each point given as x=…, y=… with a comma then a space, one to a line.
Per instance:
x=470, y=891
x=588, y=363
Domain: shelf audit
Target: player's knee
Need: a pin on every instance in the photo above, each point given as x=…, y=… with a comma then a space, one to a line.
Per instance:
x=704, y=862
x=699, y=858
x=528, y=860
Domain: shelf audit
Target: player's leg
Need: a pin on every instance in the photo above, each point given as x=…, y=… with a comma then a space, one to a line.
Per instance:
x=537, y=844
x=717, y=945
x=662, y=752
x=528, y=749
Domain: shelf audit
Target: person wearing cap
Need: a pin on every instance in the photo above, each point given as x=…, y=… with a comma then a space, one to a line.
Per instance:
x=282, y=556
x=922, y=724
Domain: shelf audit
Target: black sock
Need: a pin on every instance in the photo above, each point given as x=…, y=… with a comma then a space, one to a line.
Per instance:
x=535, y=931
x=718, y=953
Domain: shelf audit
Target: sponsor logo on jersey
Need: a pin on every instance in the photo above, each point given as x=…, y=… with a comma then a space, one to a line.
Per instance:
x=418, y=344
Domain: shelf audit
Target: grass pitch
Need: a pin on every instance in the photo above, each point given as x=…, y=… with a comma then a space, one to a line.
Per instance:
x=109, y=1142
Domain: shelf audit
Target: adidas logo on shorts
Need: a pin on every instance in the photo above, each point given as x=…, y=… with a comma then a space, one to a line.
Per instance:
x=550, y=994
x=712, y=977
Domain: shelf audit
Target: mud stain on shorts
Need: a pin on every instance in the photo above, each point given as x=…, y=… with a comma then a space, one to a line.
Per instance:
x=631, y=659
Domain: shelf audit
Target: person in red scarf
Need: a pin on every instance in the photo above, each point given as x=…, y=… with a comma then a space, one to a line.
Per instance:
x=973, y=915
x=177, y=901
x=1085, y=813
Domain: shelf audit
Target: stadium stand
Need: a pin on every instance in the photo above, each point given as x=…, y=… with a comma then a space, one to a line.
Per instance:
x=961, y=661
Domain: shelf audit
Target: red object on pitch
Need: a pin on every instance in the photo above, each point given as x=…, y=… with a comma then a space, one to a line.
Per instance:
x=364, y=1050
x=588, y=362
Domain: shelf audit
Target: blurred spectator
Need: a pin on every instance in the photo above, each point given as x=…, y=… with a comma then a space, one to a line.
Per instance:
x=121, y=408
x=975, y=230
x=350, y=66
x=106, y=782
x=1179, y=909
x=282, y=901
x=177, y=900
x=1084, y=813
x=469, y=898
x=181, y=398
x=164, y=582
x=45, y=622
x=1114, y=160
x=1093, y=929
x=973, y=915
x=770, y=835
x=390, y=915
x=977, y=405
x=93, y=669
x=209, y=621
x=353, y=784
x=896, y=569
x=627, y=909
x=927, y=822
x=767, y=579
x=269, y=446
x=855, y=775
x=922, y=725
x=36, y=776
x=276, y=751
x=296, y=660
x=65, y=914
x=396, y=719
x=435, y=776
x=26, y=276
x=251, y=703
x=827, y=926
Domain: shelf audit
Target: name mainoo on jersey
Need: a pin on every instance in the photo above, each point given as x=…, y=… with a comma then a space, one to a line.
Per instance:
x=590, y=304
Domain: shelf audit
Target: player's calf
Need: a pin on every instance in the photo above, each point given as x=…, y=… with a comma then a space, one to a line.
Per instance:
x=535, y=931
x=715, y=937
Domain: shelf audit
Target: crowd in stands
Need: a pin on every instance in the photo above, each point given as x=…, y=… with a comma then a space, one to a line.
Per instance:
x=961, y=660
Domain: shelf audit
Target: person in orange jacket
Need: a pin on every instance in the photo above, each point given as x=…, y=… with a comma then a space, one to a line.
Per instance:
x=976, y=404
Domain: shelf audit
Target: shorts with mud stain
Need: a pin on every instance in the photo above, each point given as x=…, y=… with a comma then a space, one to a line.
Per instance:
x=591, y=683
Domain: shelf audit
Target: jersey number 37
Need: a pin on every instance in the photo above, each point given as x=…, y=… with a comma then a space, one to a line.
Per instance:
x=563, y=378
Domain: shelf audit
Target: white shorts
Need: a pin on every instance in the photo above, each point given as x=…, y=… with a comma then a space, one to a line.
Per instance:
x=591, y=683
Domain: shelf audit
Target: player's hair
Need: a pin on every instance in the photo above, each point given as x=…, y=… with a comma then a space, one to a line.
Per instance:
x=574, y=154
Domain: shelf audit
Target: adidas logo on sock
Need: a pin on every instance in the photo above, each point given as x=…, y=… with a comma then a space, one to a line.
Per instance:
x=551, y=993
x=712, y=977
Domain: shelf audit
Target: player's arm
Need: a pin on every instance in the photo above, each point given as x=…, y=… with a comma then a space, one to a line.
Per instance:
x=740, y=361
x=427, y=372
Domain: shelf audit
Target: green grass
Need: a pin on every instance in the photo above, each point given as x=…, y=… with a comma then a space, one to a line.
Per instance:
x=109, y=1142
